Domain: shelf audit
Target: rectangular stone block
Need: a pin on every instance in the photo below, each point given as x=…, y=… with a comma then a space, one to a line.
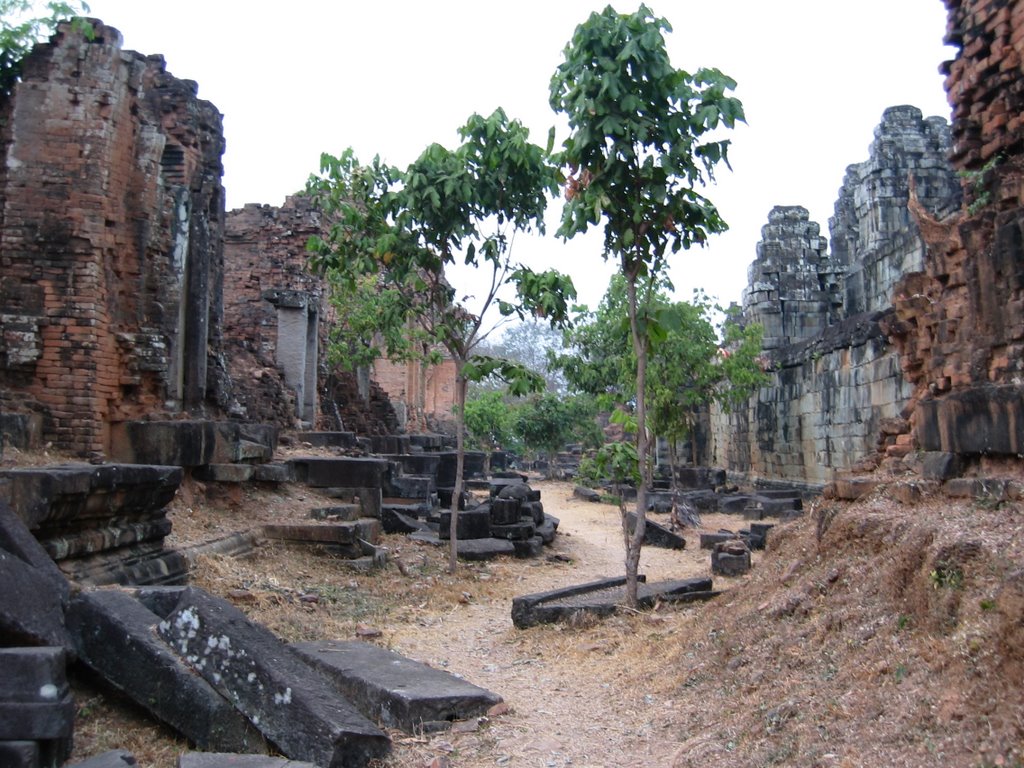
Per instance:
x=281, y=695
x=114, y=636
x=341, y=472
x=399, y=692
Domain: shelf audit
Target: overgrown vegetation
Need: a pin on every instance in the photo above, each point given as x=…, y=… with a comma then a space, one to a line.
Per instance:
x=23, y=23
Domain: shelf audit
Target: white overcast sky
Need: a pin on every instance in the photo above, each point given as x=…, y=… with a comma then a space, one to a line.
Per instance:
x=297, y=78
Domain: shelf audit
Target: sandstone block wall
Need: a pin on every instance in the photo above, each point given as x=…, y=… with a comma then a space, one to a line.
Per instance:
x=110, y=241
x=837, y=383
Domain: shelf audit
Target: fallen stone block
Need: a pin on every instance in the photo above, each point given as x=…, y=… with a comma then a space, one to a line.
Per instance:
x=514, y=532
x=115, y=758
x=548, y=529
x=227, y=760
x=586, y=494
x=397, y=691
x=21, y=754
x=16, y=538
x=31, y=612
x=35, y=708
x=532, y=509
x=37, y=720
x=340, y=472
x=273, y=473
x=471, y=524
x=601, y=598
x=709, y=540
x=290, y=703
x=531, y=547
x=470, y=549
x=730, y=558
x=241, y=544
x=114, y=636
x=656, y=534
x=313, y=533
x=393, y=520
x=369, y=499
x=504, y=511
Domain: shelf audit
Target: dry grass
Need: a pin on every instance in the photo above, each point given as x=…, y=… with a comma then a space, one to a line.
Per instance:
x=869, y=634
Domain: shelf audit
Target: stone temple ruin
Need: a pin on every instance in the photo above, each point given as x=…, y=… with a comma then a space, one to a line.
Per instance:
x=147, y=330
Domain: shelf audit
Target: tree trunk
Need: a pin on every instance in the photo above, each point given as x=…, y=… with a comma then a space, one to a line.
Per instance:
x=460, y=464
x=636, y=538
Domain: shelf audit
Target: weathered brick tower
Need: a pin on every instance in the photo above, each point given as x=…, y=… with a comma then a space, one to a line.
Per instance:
x=111, y=237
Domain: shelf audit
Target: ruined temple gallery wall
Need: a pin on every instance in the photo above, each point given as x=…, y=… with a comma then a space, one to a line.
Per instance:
x=837, y=387
x=825, y=410
x=110, y=245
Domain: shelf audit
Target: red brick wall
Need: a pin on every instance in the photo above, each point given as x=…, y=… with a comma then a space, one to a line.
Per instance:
x=960, y=322
x=107, y=156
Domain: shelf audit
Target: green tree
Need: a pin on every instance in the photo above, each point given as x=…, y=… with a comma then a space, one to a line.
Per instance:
x=533, y=343
x=641, y=145
x=490, y=421
x=696, y=365
x=406, y=227
x=22, y=26
x=545, y=423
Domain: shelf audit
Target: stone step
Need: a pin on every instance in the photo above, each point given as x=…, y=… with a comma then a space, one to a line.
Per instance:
x=224, y=473
x=328, y=439
x=114, y=636
x=366, y=528
x=274, y=472
x=287, y=700
x=347, y=512
x=396, y=691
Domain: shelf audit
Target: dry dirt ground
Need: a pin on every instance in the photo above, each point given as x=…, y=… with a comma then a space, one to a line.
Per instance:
x=869, y=634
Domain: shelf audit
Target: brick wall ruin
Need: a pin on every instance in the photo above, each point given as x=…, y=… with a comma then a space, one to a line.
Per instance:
x=126, y=292
x=277, y=323
x=960, y=320
x=837, y=393
x=110, y=242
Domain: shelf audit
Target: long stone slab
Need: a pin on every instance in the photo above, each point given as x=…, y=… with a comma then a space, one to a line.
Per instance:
x=47, y=498
x=399, y=692
x=114, y=636
x=227, y=760
x=115, y=758
x=601, y=598
x=469, y=549
x=340, y=472
x=287, y=700
x=16, y=538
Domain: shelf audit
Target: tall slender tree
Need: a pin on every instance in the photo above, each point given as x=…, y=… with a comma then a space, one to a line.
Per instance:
x=465, y=204
x=644, y=138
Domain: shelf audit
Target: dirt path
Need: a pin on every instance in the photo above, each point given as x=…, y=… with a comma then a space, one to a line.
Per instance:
x=572, y=691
